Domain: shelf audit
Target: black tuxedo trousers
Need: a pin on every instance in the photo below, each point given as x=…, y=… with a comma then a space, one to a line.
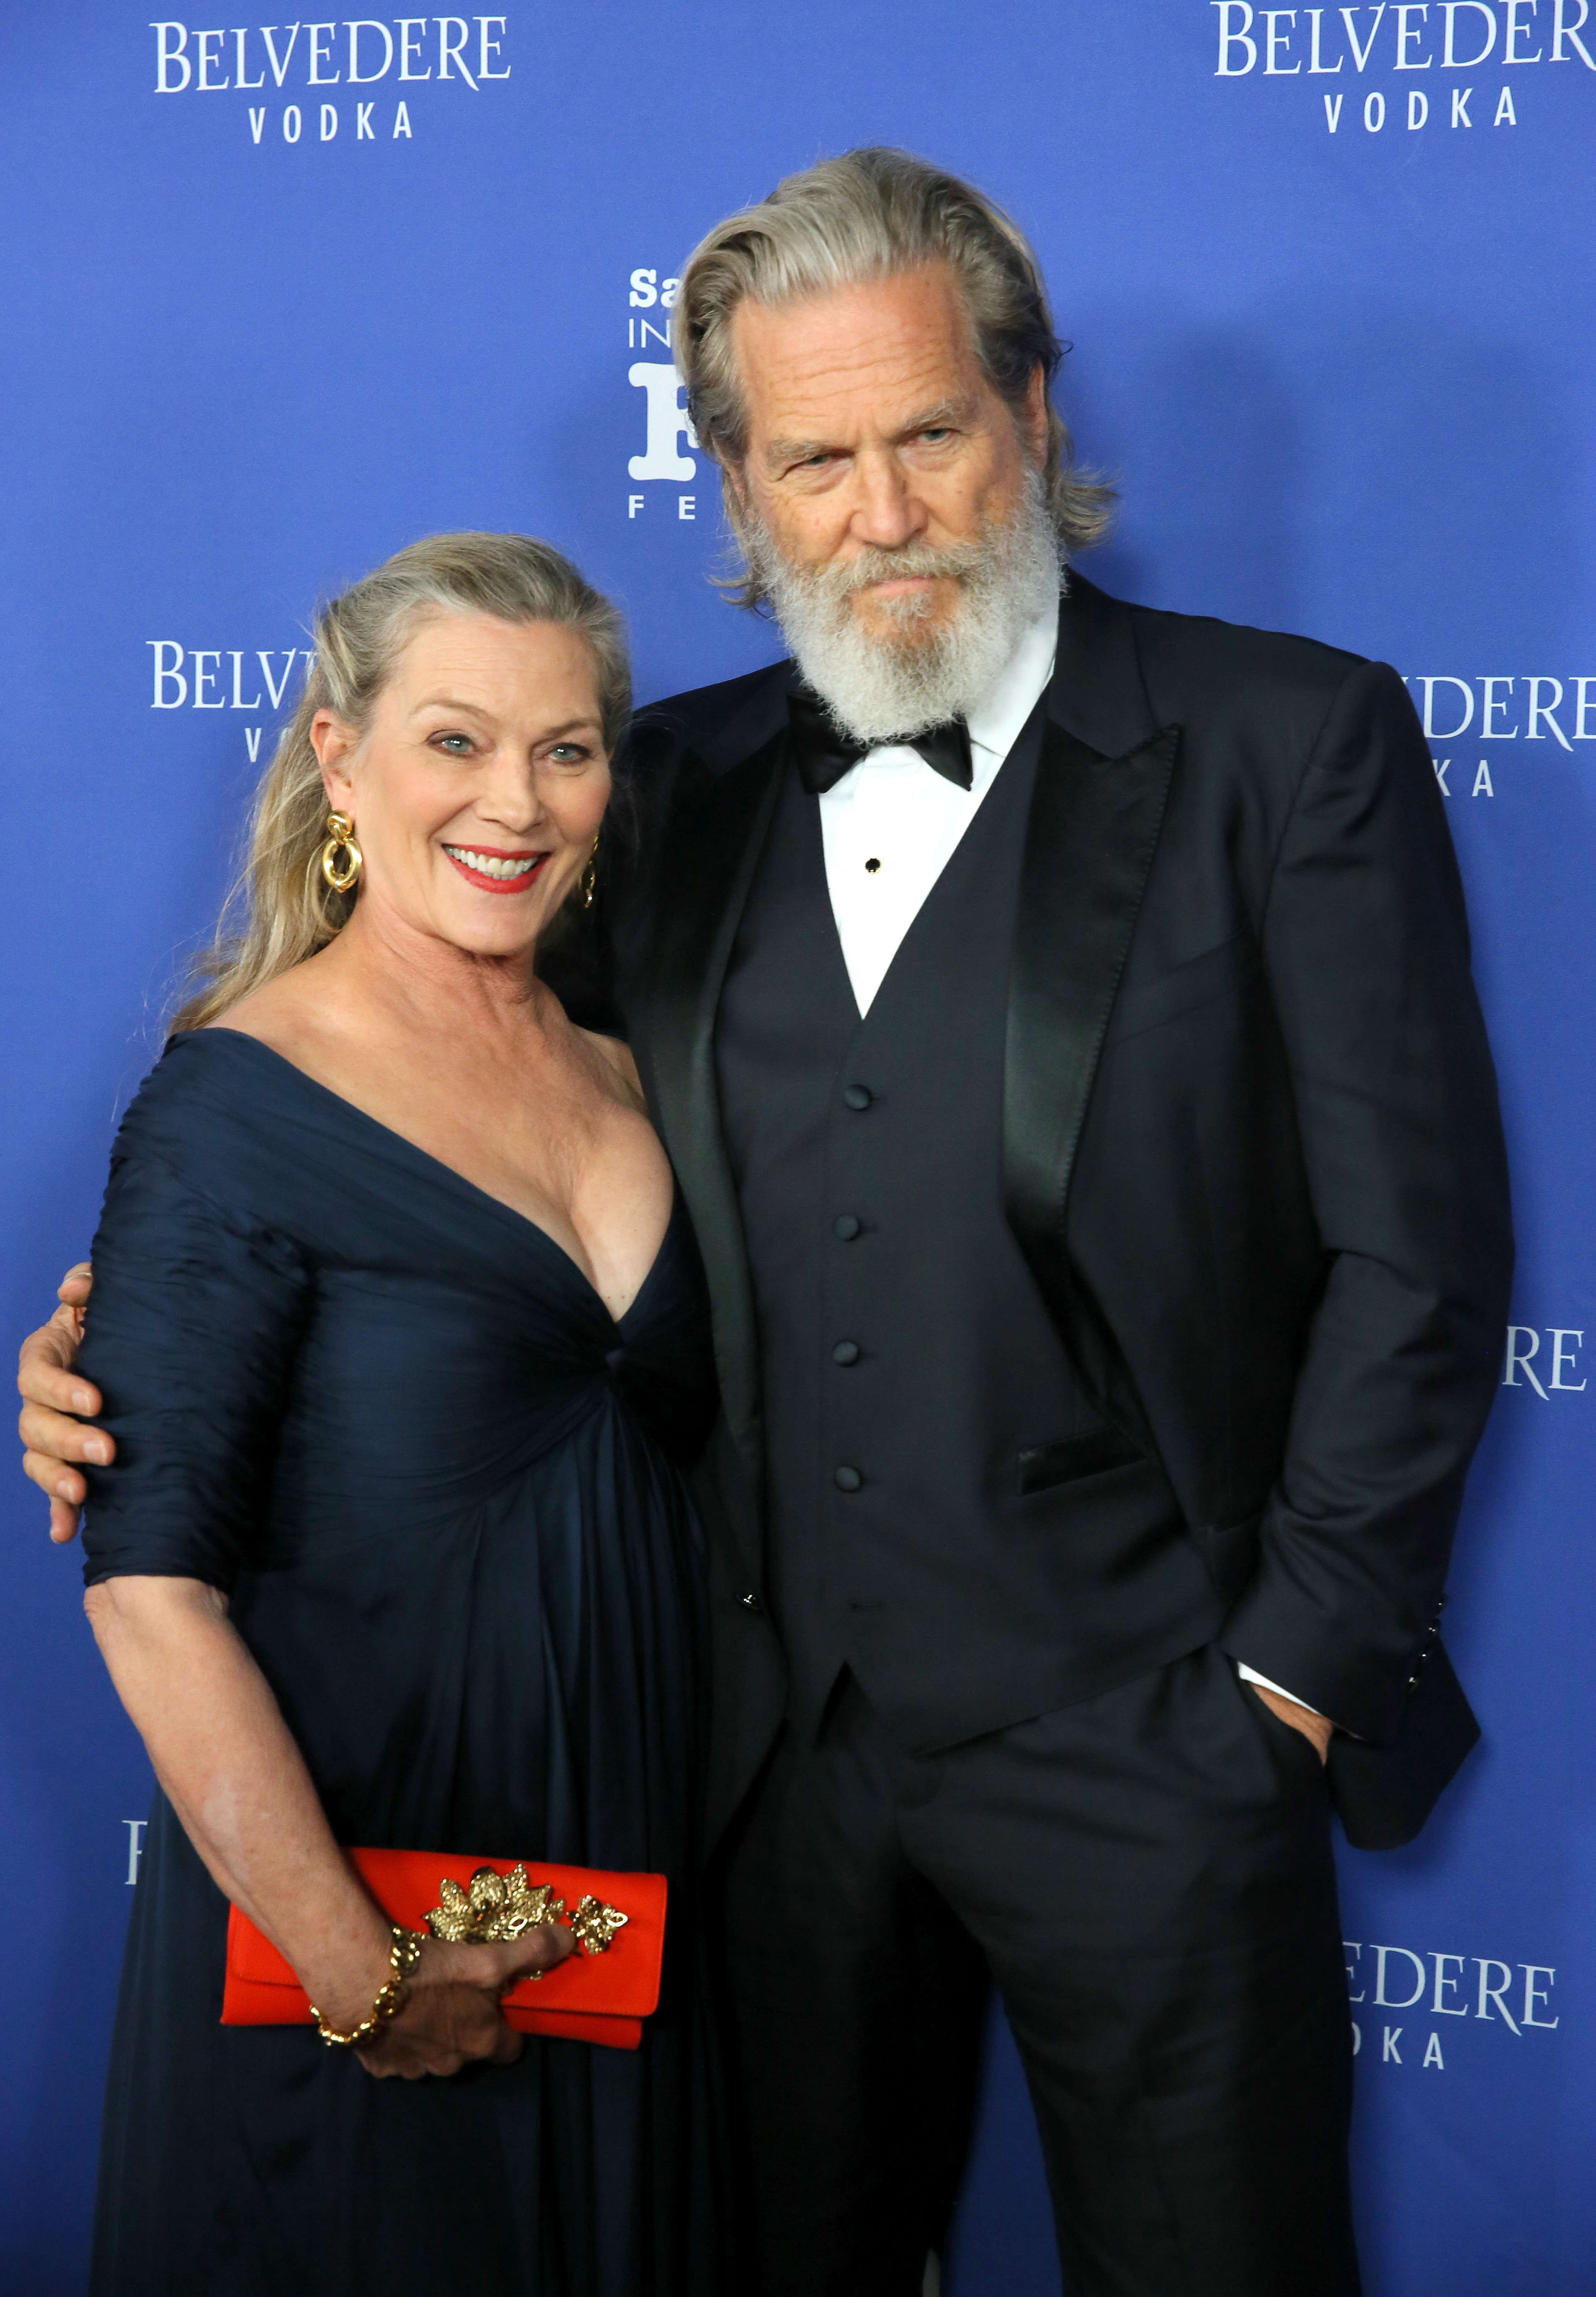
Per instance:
x=1147, y=1876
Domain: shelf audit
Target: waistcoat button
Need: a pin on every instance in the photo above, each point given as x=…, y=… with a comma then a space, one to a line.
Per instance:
x=856, y=1096
x=848, y=1479
x=847, y=1227
x=846, y=1351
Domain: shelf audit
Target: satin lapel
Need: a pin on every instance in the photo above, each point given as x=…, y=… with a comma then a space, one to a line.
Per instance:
x=1094, y=825
x=711, y=847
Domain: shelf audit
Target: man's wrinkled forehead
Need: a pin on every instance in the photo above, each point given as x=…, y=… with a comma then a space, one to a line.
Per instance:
x=875, y=360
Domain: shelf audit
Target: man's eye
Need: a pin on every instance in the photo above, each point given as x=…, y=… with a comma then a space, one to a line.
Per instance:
x=939, y=432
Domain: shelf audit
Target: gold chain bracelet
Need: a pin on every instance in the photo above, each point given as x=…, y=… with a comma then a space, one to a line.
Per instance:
x=392, y=1995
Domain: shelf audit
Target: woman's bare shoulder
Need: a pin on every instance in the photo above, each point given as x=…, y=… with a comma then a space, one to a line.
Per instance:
x=288, y=1014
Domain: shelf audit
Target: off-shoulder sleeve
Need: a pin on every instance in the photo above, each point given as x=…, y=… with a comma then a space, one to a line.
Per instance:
x=196, y=1314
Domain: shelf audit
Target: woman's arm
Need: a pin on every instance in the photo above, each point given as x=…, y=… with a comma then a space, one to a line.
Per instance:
x=238, y=1783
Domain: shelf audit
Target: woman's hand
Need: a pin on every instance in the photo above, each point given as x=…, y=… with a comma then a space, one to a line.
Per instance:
x=452, y=2016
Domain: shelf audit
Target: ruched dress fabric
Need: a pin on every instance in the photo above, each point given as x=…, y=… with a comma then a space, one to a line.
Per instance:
x=441, y=1488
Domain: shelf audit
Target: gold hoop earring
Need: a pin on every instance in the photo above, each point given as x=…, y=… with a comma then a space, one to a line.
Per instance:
x=589, y=880
x=343, y=875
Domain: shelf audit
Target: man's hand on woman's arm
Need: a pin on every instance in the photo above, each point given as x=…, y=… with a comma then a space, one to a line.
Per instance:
x=55, y=1404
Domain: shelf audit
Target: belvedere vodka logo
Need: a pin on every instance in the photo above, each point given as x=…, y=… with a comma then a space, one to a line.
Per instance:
x=668, y=444
x=254, y=681
x=1402, y=2000
x=1378, y=54
x=286, y=63
x=1545, y=1360
x=1461, y=714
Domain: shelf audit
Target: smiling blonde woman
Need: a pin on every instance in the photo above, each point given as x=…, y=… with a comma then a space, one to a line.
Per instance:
x=403, y=1348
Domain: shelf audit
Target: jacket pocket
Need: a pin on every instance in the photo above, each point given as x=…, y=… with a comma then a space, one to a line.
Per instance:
x=1217, y=972
x=1043, y=1466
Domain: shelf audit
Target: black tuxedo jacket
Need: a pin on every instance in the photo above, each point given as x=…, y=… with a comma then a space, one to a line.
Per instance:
x=1252, y=1149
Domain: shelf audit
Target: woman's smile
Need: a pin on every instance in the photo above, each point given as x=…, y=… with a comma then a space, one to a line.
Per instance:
x=495, y=871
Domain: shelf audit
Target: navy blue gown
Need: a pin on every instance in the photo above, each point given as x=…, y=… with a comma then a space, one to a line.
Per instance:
x=441, y=1488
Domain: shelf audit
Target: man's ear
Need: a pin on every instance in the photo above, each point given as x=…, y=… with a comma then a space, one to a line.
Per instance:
x=739, y=510
x=1035, y=415
x=734, y=478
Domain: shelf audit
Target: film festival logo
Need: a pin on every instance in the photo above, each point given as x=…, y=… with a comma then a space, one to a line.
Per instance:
x=669, y=442
x=287, y=61
x=1561, y=711
x=1361, y=50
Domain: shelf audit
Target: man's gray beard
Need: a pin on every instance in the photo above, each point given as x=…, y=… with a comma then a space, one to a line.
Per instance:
x=879, y=690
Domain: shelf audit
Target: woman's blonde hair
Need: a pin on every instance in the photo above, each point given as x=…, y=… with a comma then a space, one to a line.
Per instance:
x=281, y=909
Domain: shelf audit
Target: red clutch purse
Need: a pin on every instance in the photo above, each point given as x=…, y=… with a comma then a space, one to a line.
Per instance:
x=602, y=1992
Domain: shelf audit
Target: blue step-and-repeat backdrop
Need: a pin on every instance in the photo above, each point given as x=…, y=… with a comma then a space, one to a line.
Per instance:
x=277, y=298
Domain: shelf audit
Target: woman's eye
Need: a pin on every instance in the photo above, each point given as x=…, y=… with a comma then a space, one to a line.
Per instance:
x=567, y=753
x=458, y=746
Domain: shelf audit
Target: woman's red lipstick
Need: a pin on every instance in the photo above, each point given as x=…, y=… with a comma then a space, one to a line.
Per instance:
x=515, y=882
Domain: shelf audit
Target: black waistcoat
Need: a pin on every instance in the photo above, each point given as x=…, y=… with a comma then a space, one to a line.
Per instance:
x=947, y=1513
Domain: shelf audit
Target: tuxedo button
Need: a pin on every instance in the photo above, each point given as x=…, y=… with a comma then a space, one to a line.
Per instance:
x=846, y=1351
x=856, y=1096
x=751, y=1603
x=848, y=1479
x=847, y=1227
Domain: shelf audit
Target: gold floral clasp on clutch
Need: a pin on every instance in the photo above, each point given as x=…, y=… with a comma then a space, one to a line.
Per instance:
x=494, y=1907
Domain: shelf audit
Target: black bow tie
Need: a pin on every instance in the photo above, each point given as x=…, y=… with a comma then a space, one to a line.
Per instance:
x=826, y=753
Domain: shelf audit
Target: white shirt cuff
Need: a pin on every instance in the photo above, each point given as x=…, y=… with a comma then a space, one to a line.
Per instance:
x=1251, y=1675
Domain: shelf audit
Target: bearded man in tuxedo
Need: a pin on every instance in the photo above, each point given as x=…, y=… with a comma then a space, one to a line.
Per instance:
x=1060, y=1017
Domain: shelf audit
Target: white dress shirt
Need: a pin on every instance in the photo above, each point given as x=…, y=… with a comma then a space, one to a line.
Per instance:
x=891, y=824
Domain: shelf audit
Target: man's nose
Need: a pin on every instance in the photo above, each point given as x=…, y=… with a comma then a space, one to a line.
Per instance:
x=886, y=512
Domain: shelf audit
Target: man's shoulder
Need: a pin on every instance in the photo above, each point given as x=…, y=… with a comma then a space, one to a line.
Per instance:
x=1204, y=645
x=717, y=723
x=1196, y=665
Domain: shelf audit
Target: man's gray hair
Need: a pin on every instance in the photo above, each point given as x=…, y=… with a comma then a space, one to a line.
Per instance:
x=869, y=215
